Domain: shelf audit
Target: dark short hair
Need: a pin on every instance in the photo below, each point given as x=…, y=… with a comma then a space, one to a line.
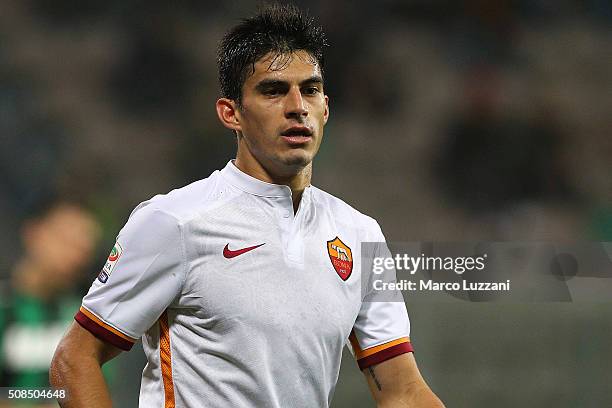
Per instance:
x=46, y=203
x=276, y=29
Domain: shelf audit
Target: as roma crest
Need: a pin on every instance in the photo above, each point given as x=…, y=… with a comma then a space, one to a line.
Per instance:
x=341, y=257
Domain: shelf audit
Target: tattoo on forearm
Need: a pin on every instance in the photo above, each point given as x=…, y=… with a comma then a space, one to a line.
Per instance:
x=371, y=370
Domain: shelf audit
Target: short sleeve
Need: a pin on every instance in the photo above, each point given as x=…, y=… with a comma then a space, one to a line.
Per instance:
x=142, y=276
x=382, y=328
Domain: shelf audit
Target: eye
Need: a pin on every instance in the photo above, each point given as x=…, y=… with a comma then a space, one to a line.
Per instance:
x=312, y=90
x=271, y=92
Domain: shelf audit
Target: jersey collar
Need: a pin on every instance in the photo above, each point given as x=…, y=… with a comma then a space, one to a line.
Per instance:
x=251, y=185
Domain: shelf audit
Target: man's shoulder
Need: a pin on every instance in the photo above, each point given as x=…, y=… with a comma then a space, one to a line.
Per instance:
x=182, y=203
x=341, y=210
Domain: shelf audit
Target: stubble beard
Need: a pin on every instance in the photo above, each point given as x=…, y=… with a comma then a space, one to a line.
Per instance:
x=291, y=164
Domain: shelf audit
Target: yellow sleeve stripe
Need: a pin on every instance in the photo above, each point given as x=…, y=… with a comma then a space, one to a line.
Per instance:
x=359, y=353
x=106, y=326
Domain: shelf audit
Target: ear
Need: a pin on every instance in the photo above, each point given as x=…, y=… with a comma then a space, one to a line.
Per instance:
x=228, y=114
x=326, y=113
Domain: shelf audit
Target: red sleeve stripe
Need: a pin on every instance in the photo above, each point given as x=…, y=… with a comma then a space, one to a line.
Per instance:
x=360, y=353
x=102, y=330
x=385, y=355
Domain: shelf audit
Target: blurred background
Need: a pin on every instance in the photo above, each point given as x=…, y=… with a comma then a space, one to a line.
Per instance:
x=450, y=120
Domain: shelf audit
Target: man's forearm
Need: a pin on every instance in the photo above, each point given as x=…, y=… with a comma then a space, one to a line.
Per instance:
x=83, y=381
x=397, y=383
x=423, y=397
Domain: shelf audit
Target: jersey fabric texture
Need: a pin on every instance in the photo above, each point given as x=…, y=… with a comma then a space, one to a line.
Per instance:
x=239, y=301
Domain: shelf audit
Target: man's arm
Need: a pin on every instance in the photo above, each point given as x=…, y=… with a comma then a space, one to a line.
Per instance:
x=76, y=368
x=397, y=383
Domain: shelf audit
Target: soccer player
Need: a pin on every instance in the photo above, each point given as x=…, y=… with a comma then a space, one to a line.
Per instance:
x=245, y=286
x=37, y=304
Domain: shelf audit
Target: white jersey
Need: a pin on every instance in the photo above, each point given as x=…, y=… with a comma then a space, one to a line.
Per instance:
x=239, y=301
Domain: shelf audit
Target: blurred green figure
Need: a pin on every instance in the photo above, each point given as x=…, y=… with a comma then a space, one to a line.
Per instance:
x=38, y=302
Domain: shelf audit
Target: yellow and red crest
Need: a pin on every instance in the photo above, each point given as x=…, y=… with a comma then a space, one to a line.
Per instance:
x=341, y=257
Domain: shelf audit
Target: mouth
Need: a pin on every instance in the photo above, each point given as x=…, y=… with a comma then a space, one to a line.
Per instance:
x=297, y=135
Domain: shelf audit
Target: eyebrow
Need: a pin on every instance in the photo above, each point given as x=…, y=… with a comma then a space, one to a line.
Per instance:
x=270, y=83
x=315, y=79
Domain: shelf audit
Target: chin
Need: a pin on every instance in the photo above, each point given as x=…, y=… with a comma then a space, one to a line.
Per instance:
x=297, y=160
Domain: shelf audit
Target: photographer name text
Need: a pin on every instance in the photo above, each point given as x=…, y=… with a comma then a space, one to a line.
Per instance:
x=431, y=285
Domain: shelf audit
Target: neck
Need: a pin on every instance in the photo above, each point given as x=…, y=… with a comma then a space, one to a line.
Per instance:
x=297, y=179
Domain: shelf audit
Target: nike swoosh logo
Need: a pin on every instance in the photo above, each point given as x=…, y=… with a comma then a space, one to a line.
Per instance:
x=228, y=253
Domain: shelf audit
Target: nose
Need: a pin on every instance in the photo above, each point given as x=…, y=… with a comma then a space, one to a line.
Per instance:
x=295, y=107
